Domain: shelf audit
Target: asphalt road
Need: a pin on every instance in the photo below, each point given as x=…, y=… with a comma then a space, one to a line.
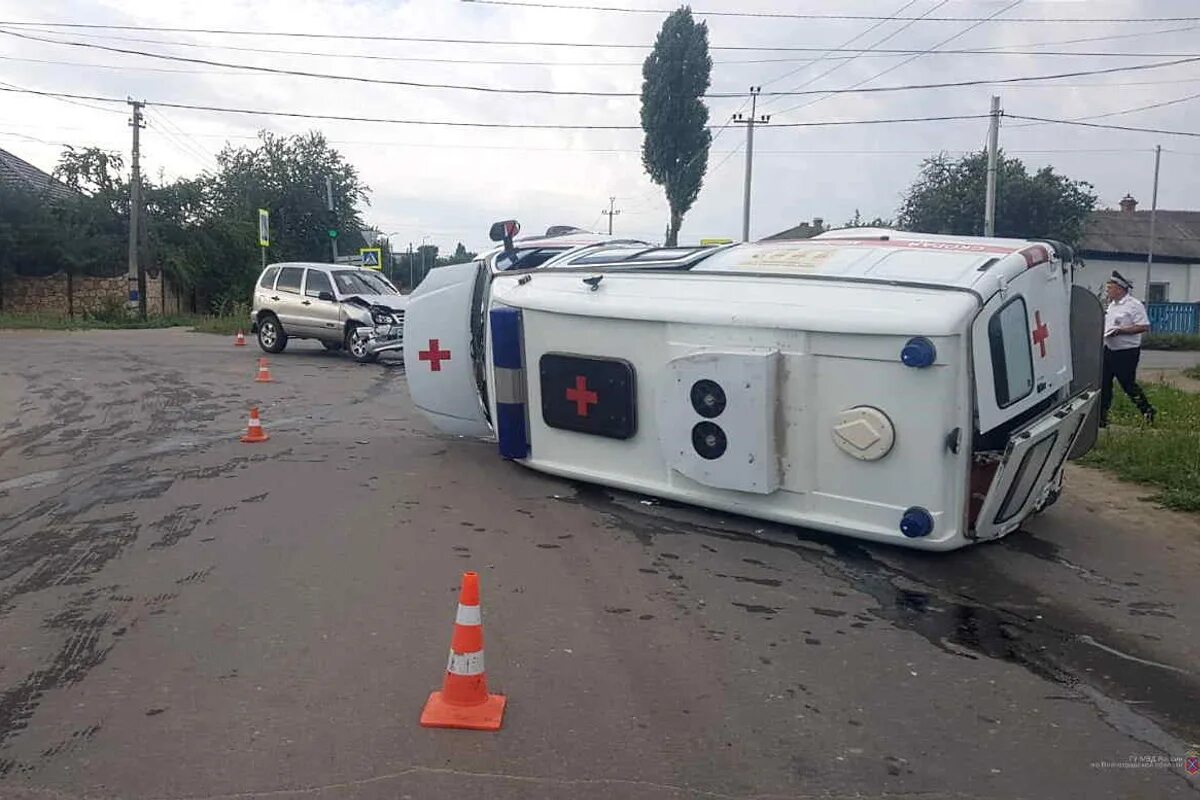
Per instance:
x=186, y=616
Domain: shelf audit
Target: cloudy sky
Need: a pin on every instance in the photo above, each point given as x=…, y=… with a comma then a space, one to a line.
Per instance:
x=448, y=184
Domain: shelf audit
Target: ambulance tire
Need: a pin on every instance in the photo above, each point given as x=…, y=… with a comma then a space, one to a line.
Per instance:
x=356, y=347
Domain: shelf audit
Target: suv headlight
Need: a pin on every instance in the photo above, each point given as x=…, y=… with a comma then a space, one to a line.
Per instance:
x=383, y=319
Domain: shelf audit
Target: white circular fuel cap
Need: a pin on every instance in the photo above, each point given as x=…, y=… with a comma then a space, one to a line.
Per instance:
x=864, y=432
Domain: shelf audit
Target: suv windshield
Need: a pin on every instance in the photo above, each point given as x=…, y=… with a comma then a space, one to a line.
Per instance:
x=353, y=281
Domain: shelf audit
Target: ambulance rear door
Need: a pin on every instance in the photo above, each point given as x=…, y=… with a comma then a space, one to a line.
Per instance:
x=1021, y=341
x=1029, y=466
x=443, y=348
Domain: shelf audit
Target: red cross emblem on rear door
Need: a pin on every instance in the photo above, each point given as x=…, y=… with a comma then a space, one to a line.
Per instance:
x=434, y=355
x=1040, y=333
x=582, y=396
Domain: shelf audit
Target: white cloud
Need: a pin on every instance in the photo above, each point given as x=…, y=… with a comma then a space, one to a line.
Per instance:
x=448, y=184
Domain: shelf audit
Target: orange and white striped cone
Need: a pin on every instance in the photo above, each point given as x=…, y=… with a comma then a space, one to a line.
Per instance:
x=254, y=431
x=464, y=701
x=239, y=340
x=264, y=374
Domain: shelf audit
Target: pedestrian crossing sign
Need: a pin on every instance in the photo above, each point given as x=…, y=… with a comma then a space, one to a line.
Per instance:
x=372, y=257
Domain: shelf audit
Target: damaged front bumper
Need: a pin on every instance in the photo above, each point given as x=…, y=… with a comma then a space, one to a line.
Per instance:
x=382, y=338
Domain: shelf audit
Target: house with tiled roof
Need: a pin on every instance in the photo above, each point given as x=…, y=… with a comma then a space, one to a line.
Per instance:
x=1120, y=239
x=20, y=174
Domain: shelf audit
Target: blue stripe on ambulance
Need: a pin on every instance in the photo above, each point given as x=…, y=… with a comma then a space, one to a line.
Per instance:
x=508, y=387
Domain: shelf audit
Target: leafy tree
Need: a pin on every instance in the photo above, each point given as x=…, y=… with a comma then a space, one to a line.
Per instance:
x=857, y=221
x=285, y=175
x=948, y=197
x=675, y=77
x=28, y=238
x=461, y=255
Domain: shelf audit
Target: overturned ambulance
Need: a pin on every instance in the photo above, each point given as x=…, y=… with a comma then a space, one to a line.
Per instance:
x=907, y=388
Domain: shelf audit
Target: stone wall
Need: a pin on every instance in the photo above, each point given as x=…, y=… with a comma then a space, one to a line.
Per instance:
x=163, y=297
x=62, y=295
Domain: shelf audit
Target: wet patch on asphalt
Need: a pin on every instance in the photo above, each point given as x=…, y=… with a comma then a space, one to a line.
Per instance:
x=1055, y=645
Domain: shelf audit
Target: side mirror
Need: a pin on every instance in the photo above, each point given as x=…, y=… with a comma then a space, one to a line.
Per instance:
x=504, y=231
x=326, y=296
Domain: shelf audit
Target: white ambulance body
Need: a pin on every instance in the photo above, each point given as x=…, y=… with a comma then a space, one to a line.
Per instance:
x=906, y=388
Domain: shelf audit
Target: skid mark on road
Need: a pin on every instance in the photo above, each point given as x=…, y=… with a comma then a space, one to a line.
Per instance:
x=179, y=524
x=64, y=555
x=85, y=646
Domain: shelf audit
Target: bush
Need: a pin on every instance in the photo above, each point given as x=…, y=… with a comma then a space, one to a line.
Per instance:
x=113, y=310
x=1193, y=372
x=1171, y=341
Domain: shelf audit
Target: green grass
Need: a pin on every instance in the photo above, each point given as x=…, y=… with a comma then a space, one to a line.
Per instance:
x=1165, y=456
x=227, y=325
x=1171, y=341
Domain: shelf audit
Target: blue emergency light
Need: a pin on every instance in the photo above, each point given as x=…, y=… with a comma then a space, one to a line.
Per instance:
x=916, y=522
x=918, y=352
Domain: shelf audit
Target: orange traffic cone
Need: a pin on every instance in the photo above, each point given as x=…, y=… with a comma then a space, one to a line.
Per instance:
x=239, y=340
x=464, y=701
x=255, y=432
x=264, y=374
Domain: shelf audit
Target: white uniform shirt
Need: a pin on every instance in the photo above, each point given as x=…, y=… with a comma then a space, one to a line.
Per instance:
x=1121, y=314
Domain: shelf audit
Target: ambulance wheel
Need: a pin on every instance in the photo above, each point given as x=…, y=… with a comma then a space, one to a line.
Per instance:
x=271, y=337
x=356, y=345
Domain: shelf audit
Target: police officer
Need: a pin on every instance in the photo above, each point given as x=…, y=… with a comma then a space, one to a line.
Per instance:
x=1124, y=323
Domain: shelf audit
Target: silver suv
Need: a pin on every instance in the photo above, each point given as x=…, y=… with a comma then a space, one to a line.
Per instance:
x=339, y=305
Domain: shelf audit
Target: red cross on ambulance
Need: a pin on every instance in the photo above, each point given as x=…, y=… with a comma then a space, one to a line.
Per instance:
x=435, y=355
x=1040, y=333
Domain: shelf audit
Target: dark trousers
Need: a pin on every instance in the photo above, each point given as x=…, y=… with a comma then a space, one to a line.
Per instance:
x=1122, y=365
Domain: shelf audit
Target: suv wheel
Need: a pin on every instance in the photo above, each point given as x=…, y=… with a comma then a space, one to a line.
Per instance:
x=271, y=337
x=356, y=344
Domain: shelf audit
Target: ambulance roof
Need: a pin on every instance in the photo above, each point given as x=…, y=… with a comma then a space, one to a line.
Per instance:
x=873, y=255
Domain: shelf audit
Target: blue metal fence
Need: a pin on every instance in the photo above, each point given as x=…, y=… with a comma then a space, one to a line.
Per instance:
x=1174, y=317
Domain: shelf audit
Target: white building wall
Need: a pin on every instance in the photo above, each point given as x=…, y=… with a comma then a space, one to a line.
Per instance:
x=1183, y=279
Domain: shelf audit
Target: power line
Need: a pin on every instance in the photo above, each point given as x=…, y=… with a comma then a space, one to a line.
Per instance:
x=238, y=74
x=851, y=40
x=594, y=93
x=891, y=35
x=790, y=15
x=1032, y=49
x=912, y=58
x=181, y=140
x=524, y=43
x=1195, y=134
x=458, y=124
x=1148, y=107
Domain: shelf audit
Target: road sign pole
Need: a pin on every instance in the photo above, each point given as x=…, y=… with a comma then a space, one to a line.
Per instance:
x=332, y=217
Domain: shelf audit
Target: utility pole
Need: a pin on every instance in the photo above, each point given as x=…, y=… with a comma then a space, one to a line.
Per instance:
x=411, y=285
x=993, y=153
x=750, y=122
x=610, y=213
x=1153, y=214
x=332, y=216
x=135, y=209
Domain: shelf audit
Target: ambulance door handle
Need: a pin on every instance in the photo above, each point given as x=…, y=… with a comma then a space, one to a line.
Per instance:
x=1041, y=387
